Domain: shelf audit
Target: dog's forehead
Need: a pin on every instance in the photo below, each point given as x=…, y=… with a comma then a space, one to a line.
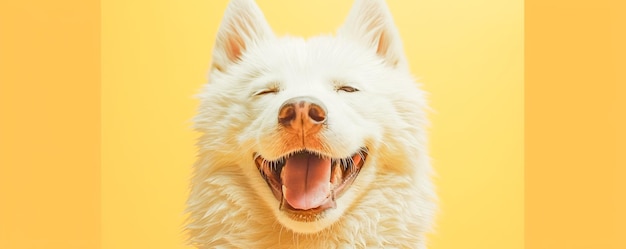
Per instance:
x=321, y=56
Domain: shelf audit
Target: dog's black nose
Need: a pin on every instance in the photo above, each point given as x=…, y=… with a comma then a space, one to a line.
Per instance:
x=302, y=114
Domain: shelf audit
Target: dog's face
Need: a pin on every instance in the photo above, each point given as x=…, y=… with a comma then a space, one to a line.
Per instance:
x=308, y=121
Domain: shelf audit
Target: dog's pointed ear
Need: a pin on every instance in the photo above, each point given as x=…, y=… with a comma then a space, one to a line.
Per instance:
x=371, y=24
x=243, y=26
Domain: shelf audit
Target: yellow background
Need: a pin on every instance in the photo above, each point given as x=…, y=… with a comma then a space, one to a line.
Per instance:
x=468, y=54
x=49, y=124
x=76, y=172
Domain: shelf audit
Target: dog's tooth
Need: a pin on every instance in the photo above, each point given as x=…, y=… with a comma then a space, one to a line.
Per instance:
x=282, y=176
x=332, y=199
x=282, y=198
x=336, y=175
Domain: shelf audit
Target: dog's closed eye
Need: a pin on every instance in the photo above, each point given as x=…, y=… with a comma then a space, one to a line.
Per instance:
x=265, y=91
x=347, y=89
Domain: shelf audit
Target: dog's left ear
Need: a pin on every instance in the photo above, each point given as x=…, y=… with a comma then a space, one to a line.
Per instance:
x=370, y=23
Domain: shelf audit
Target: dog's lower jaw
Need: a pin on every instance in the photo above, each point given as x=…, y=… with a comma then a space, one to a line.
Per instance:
x=308, y=227
x=316, y=223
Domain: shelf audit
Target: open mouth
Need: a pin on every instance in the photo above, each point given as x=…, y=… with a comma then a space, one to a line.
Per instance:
x=307, y=183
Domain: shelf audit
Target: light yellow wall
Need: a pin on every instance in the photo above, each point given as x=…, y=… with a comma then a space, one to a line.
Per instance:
x=468, y=54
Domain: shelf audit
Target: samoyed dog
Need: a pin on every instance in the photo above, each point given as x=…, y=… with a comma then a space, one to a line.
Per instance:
x=310, y=143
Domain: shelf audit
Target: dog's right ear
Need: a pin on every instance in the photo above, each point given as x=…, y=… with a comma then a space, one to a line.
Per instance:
x=243, y=26
x=370, y=23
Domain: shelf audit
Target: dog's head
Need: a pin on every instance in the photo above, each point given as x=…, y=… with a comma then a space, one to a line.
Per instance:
x=312, y=124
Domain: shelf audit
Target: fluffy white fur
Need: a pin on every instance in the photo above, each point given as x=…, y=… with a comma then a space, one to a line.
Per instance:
x=392, y=201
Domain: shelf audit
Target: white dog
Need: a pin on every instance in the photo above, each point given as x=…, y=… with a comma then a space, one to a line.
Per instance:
x=316, y=143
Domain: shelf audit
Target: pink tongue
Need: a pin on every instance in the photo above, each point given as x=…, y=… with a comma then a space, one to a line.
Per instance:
x=306, y=180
